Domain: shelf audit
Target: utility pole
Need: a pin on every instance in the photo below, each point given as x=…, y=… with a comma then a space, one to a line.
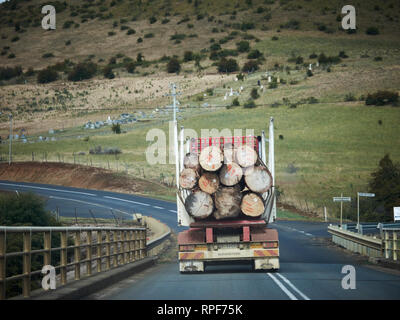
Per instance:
x=10, y=138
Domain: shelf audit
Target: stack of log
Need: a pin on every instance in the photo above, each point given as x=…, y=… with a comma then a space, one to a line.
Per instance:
x=225, y=184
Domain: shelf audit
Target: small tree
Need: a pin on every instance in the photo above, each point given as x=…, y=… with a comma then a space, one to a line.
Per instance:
x=243, y=46
x=254, y=93
x=47, y=75
x=173, y=66
x=227, y=65
x=116, y=128
x=385, y=183
x=108, y=73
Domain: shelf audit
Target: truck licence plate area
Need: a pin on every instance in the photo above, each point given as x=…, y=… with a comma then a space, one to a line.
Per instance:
x=228, y=246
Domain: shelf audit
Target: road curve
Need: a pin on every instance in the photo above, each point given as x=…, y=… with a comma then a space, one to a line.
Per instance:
x=309, y=268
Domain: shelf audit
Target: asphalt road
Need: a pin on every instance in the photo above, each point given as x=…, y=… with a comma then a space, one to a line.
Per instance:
x=310, y=269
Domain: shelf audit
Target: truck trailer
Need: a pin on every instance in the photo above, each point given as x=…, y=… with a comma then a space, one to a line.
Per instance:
x=226, y=240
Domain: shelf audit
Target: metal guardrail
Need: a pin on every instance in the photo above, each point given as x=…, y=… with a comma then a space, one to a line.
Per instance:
x=355, y=240
x=102, y=247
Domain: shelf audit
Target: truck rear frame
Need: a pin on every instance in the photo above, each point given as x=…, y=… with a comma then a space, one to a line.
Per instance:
x=227, y=240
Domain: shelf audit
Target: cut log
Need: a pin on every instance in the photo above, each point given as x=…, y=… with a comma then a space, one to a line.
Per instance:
x=209, y=182
x=211, y=158
x=230, y=174
x=246, y=156
x=258, y=179
x=227, y=202
x=191, y=161
x=252, y=205
x=188, y=178
x=199, y=204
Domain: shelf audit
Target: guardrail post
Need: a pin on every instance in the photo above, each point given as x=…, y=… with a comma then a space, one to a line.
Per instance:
x=386, y=244
x=26, y=289
x=143, y=244
x=99, y=241
x=3, y=265
x=122, y=248
x=115, y=256
x=47, y=247
x=63, y=262
x=108, y=251
x=137, y=246
x=89, y=253
x=77, y=255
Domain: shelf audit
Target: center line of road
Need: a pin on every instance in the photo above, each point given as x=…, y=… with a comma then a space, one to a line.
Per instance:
x=50, y=189
x=90, y=203
x=130, y=201
x=284, y=289
x=158, y=207
x=293, y=287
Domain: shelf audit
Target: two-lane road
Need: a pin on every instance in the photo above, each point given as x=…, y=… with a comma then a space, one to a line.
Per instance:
x=309, y=268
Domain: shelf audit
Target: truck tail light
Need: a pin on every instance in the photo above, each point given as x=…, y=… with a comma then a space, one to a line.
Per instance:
x=186, y=248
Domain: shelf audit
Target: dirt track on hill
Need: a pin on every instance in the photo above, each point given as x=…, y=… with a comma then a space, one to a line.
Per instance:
x=78, y=176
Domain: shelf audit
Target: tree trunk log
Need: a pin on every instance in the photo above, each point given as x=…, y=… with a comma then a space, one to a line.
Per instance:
x=258, y=179
x=191, y=161
x=230, y=174
x=188, y=178
x=211, y=158
x=246, y=156
x=227, y=202
x=209, y=182
x=199, y=204
x=252, y=205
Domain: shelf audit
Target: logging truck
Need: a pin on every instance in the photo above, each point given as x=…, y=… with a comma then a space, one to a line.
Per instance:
x=226, y=196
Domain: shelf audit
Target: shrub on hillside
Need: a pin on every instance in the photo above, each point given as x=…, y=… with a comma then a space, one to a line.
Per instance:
x=323, y=59
x=381, y=98
x=249, y=104
x=116, y=128
x=254, y=54
x=7, y=73
x=130, y=67
x=47, y=75
x=108, y=73
x=243, y=46
x=373, y=31
x=227, y=65
x=254, y=93
x=173, y=66
x=188, y=56
x=82, y=71
x=250, y=66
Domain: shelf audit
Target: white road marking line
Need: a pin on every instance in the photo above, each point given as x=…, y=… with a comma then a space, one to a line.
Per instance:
x=284, y=289
x=90, y=203
x=309, y=234
x=130, y=201
x=173, y=211
x=293, y=287
x=158, y=207
x=50, y=189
